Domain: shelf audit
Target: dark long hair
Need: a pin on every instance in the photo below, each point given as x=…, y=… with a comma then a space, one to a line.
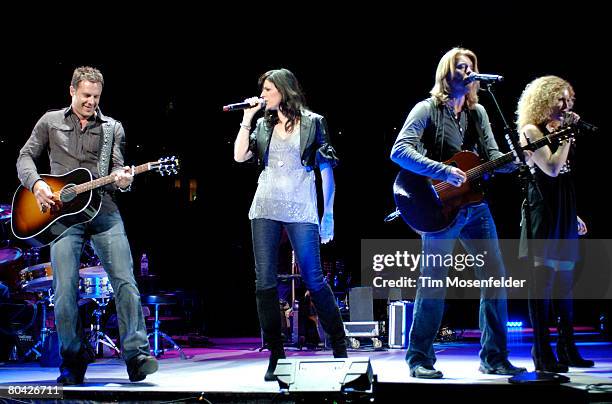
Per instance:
x=293, y=100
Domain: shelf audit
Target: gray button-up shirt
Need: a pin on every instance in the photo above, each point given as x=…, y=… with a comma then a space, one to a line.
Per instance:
x=59, y=133
x=421, y=149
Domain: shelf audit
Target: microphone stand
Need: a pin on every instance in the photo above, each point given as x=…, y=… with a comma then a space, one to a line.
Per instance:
x=526, y=177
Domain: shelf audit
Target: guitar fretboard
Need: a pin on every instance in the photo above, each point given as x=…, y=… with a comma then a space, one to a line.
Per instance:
x=100, y=182
x=477, y=172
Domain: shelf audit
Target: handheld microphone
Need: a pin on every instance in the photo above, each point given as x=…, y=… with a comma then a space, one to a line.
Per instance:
x=241, y=105
x=393, y=215
x=486, y=78
x=585, y=126
x=579, y=125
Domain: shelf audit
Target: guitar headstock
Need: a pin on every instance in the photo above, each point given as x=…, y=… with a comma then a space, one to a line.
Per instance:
x=166, y=165
x=564, y=135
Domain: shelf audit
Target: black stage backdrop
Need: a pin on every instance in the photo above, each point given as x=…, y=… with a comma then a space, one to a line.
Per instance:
x=364, y=70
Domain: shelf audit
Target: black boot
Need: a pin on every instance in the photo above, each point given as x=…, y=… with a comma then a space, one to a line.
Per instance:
x=539, y=313
x=567, y=352
x=268, y=310
x=329, y=315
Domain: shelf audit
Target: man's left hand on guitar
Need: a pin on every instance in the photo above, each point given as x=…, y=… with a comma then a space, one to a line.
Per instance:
x=124, y=177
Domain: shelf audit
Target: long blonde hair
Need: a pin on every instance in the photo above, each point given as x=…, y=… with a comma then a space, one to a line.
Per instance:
x=446, y=71
x=539, y=99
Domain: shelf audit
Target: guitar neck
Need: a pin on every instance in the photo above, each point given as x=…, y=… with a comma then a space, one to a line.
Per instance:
x=546, y=140
x=489, y=166
x=102, y=181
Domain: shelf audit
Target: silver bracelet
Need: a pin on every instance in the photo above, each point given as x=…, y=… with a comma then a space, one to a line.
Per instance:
x=247, y=127
x=129, y=187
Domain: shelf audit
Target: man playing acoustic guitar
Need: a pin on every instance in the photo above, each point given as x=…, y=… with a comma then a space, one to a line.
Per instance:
x=436, y=129
x=81, y=136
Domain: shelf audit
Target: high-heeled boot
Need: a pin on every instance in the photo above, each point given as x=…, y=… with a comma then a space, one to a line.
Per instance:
x=331, y=320
x=567, y=352
x=268, y=310
x=540, y=292
x=541, y=351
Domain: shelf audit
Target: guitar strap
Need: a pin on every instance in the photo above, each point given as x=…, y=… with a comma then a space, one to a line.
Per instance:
x=435, y=115
x=474, y=134
x=106, y=145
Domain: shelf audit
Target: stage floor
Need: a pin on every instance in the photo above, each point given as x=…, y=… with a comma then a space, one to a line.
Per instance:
x=237, y=366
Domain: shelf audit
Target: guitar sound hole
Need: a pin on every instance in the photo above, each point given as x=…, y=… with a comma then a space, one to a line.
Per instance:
x=68, y=193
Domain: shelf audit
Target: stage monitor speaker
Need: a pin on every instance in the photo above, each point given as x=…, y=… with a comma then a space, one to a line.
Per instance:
x=320, y=374
x=361, y=304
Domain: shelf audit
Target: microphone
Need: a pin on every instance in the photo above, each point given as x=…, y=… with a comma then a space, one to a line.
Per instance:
x=393, y=215
x=579, y=125
x=241, y=105
x=486, y=78
x=585, y=126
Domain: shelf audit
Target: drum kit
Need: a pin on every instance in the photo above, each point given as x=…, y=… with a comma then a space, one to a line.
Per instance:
x=31, y=280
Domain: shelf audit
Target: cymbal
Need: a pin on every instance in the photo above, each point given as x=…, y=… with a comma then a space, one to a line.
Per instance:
x=97, y=271
x=5, y=211
x=9, y=254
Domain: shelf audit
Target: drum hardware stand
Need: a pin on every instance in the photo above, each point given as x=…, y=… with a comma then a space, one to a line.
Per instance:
x=32, y=256
x=44, y=331
x=90, y=257
x=97, y=336
x=158, y=349
x=295, y=307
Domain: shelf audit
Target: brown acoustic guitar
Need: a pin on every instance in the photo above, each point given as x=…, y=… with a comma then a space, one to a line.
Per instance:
x=76, y=202
x=428, y=205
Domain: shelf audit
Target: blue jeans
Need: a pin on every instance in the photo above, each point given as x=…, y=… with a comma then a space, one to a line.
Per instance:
x=111, y=245
x=475, y=229
x=304, y=238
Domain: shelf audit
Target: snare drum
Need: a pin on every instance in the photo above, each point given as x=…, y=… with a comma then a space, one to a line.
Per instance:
x=36, y=278
x=94, y=283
